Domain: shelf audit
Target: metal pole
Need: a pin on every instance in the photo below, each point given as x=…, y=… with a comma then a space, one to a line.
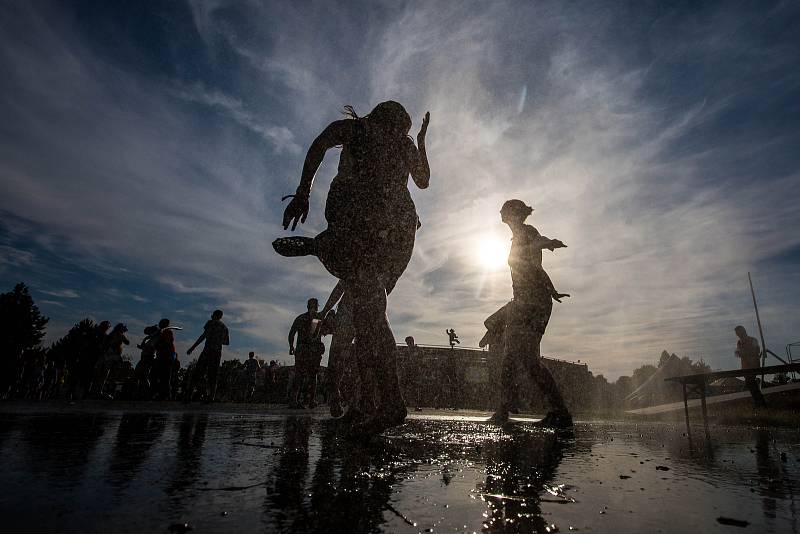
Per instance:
x=760, y=330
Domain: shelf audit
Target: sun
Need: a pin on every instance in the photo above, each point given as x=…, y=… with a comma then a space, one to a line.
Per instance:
x=492, y=253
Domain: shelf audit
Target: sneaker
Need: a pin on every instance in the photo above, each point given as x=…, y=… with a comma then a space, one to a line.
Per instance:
x=294, y=246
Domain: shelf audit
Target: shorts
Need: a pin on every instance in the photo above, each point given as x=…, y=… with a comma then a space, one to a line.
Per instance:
x=307, y=363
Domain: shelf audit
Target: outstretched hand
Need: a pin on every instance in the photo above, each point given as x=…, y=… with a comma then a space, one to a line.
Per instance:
x=423, y=130
x=296, y=211
x=556, y=243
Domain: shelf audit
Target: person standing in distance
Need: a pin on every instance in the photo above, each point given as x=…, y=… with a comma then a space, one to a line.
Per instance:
x=749, y=352
x=307, y=355
x=215, y=334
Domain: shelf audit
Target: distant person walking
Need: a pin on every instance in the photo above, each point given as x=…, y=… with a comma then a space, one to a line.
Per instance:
x=111, y=360
x=215, y=334
x=165, y=358
x=749, y=352
x=91, y=354
x=251, y=368
x=307, y=354
x=270, y=379
x=146, y=361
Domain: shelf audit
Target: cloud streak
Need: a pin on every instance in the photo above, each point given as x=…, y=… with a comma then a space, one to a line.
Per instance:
x=655, y=142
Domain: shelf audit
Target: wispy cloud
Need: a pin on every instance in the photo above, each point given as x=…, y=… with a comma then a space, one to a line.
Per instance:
x=655, y=142
x=61, y=294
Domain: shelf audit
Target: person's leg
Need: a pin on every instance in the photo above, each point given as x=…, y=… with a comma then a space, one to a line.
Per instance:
x=158, y=378
x=755, y=391
x=313, y=370
x=506, y=386
x=375, y=349
x=341, y=342
x=166, y=378
x=297, y=381
x=213, y=370
x=197, y=376
x=510, y=357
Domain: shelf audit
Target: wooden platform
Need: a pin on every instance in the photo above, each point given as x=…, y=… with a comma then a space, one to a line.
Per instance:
x=716, y=399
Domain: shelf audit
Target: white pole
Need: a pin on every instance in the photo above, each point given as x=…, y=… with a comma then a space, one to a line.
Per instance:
x=758, y=320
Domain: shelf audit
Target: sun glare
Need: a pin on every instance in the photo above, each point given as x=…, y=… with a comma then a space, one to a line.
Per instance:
x=493, y=253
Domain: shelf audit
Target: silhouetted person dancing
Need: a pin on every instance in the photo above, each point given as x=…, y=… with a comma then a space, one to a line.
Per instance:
x=215, y=334
x=749, y=352
x=526, y=316
x=372, y=222
x=452, y=337
x=307, y=354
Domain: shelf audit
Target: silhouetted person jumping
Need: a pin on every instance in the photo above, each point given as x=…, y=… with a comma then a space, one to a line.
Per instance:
x=215, y=334
x=368, y=243
x=525, y=318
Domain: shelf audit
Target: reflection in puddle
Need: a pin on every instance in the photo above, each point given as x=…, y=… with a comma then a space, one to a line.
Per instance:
x=220, y=472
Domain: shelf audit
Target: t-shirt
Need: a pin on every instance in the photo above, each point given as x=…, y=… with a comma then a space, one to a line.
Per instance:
x=251, y=366
x=216, y=334
x=165, y=346
x=749, y=351
x=305, y=327
x=528, y=279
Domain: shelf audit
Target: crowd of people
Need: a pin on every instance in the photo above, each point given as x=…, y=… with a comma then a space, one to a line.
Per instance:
x=89, y=363
x=367, y=245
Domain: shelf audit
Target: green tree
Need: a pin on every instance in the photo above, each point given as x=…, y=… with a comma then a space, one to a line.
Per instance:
x=624, y=386
x=80, y=341
x=22, y=328
x=641, y=374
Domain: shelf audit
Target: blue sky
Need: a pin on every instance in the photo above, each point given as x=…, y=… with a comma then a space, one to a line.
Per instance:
x=144, y=149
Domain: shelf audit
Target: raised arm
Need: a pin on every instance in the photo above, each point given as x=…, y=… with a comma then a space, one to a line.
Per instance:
x=337, y=133
x=420, y=170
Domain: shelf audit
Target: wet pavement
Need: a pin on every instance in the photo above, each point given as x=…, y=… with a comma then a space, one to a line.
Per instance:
x=111, y=471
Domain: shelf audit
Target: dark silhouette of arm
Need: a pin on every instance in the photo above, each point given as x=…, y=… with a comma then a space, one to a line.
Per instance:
x=543, y=242
x=292, y=333
x=337, y=133
x=336, y=296
x=420, y=170
x=199, y=340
